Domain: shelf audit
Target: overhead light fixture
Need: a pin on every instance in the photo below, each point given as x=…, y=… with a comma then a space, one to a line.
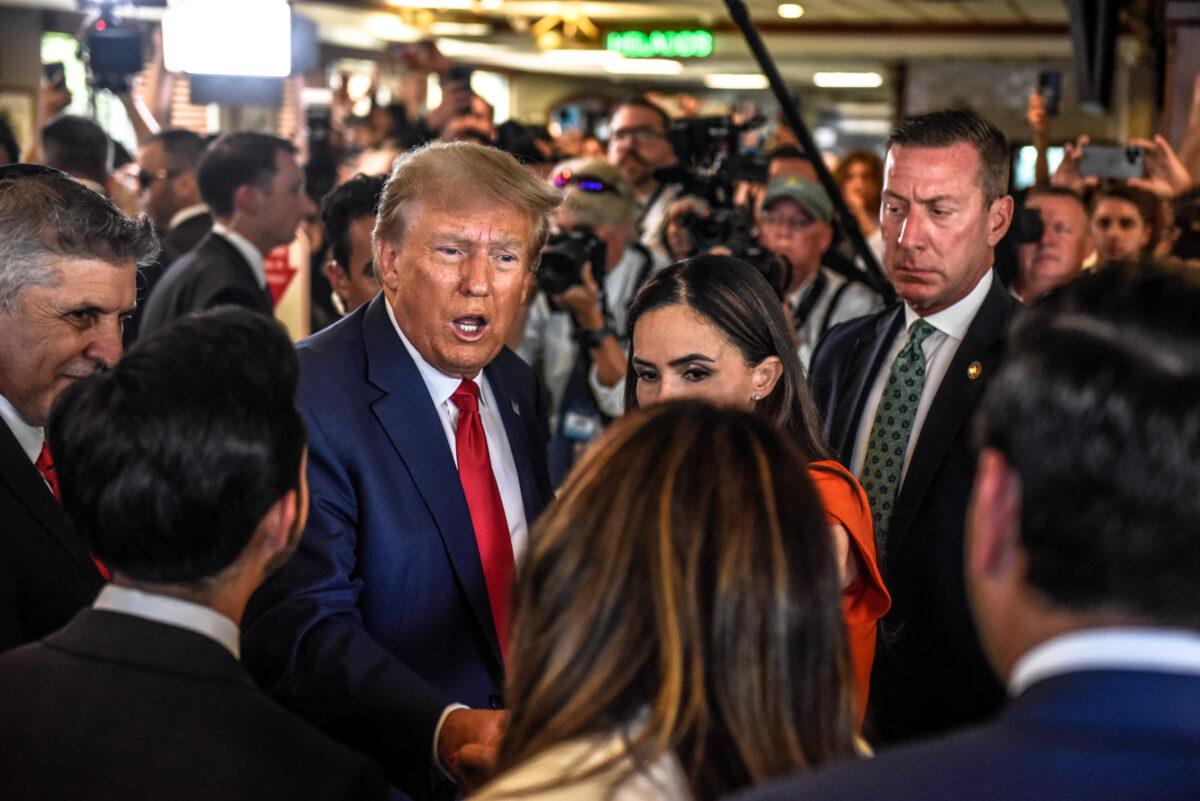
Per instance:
x=736, y=81
x=790, y=10
x=642, y=66
x=848, y=80
x=448, y=5
x=490, y=5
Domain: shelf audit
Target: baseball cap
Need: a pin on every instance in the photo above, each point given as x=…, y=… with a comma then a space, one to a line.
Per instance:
x=808, y=195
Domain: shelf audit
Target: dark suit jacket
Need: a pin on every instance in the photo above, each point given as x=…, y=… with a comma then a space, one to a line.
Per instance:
x=382, y=618
x=46, y=573
x=930, y=673
x=211, y=274
x=118, y=707
x=175, y=243
x=1087, y=736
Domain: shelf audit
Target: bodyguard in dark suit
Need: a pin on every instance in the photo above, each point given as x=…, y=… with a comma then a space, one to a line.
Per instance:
x=427, y=467
x=896, y=390
x=170, y=197
x=1082, y=558
x=68, y=261
x=183, y=469
x=255, y=190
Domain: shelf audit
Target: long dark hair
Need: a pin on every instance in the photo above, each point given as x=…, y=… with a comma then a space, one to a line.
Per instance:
x=735, y=297
x=682, y=590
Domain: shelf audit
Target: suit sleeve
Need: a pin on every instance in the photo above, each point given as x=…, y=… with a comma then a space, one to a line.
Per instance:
x=10, y=618
x=305, y=641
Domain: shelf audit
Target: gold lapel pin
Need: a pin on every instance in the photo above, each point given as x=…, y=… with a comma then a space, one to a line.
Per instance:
x=974, y=371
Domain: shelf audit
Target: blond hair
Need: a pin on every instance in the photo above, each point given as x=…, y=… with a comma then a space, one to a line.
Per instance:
x=611, y=208
x=452, y=174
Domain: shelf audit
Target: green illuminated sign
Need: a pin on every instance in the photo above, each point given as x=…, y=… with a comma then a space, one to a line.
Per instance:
x=661, y=44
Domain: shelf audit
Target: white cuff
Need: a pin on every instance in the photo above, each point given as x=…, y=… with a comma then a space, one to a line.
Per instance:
x=437, y=735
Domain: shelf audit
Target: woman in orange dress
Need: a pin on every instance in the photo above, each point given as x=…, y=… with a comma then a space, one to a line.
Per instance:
x=712, y=328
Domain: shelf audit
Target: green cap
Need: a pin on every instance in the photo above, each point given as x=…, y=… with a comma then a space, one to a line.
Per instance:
x=808, y=195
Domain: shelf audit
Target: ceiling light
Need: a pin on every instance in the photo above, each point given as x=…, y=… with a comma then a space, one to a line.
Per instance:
x=848, y=80
x=642, y=66
x=736, y=81
x=790, y=10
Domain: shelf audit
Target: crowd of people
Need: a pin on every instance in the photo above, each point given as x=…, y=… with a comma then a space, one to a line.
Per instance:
x=675, y=516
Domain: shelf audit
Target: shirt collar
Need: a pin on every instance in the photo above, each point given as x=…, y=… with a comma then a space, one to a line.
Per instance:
x=440, y=385
x=171, y=611
x=955, y=320
x=28, y=437
x=183, y=215
x=249, y=252
x=1141, y=649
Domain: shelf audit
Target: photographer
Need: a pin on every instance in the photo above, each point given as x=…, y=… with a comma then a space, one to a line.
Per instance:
x=796, y=224
x=574, y=336
x=1058, y=255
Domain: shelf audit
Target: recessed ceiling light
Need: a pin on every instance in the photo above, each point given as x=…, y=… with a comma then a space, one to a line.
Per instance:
x=848, y=80
x=736, y=81
x=791, y=10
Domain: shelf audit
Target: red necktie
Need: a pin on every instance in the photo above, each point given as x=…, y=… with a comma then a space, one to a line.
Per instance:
x=45, y=466
x=487, y=509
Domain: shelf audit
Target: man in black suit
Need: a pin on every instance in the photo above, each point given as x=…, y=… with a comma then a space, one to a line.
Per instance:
x=68, y=262
x=183, y=469
x=255, y=190
x=896, y=390
x=170, y=197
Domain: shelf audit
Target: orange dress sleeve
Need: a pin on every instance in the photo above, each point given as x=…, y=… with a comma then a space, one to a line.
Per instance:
x=866, y=600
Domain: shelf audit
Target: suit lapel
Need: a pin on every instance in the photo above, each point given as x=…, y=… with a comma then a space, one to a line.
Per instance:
x=521, y=449
x=864, y=364
x=30, y=490
x=953, y=402
x=411, y=422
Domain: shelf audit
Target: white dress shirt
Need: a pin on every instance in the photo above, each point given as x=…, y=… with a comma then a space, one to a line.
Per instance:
x=504, y=467
x=28, y=437
x=245, y=247
x=172, y=611
x=1132, y=649
x=950, y=326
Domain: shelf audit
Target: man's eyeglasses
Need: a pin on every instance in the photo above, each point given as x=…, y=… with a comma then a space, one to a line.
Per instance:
x=583, y=182
x=146, y=178
x=639, y=135
x=793, y=224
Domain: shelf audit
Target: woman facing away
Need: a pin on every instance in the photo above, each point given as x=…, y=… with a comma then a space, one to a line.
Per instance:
x=711, y=327
x=677, y=632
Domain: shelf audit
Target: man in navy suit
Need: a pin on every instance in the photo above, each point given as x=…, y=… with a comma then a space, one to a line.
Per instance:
x=427, y=468
x=1082, y=557
x=896, y=390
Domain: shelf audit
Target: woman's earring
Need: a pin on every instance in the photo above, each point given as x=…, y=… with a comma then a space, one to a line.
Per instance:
x=756, y=398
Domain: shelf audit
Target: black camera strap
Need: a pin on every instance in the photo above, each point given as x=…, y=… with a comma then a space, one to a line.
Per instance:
x=804, y=308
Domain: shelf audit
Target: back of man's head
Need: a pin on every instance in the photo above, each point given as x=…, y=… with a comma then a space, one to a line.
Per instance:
x=48, y=218
x=234, y=161
x=1096, y=409
x=182, y=148
x=350, y=201
x=168, y=463
x=947, y=128
x=78, y=146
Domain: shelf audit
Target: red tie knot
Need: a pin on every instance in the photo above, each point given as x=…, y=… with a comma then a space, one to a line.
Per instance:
x=466, y=397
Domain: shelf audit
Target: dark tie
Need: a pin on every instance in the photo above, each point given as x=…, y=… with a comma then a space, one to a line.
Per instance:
x=45, y=466
x=487, y=509
x=892, y=429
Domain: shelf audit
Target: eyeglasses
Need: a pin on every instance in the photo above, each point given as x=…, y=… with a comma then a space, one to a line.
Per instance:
x=638, y=135
x=793, y=224
x=583, y=182
x=146, y=178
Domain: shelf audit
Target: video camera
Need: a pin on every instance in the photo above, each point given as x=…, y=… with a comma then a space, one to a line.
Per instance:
x=111, y=49
x=563, y=258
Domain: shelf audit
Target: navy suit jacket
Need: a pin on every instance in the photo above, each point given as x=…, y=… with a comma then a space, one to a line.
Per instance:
x=382, y=618
x=1086, y=736
x=930, y=673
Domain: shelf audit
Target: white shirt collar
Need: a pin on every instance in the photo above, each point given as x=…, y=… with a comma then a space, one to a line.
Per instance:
x=1141, y=649
x=183, y=215
x=28, y=437
x=171, y=611
x=955, y=320
x=249, y=252
x=440, y=385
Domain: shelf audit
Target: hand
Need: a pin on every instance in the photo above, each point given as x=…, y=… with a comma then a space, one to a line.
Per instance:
x=1166, y=176
x=52, y=100
x=1067, y=175
x=1036, y=113
x=456, y=96
x=583, y=300
x=478, y=733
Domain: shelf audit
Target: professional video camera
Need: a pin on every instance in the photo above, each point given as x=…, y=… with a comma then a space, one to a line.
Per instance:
x=111, y=48
x=563, y=259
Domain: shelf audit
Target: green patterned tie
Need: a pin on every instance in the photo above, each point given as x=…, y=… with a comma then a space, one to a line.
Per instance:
x=892, y=428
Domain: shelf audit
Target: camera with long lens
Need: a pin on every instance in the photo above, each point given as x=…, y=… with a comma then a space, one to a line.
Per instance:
x=563, y=259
